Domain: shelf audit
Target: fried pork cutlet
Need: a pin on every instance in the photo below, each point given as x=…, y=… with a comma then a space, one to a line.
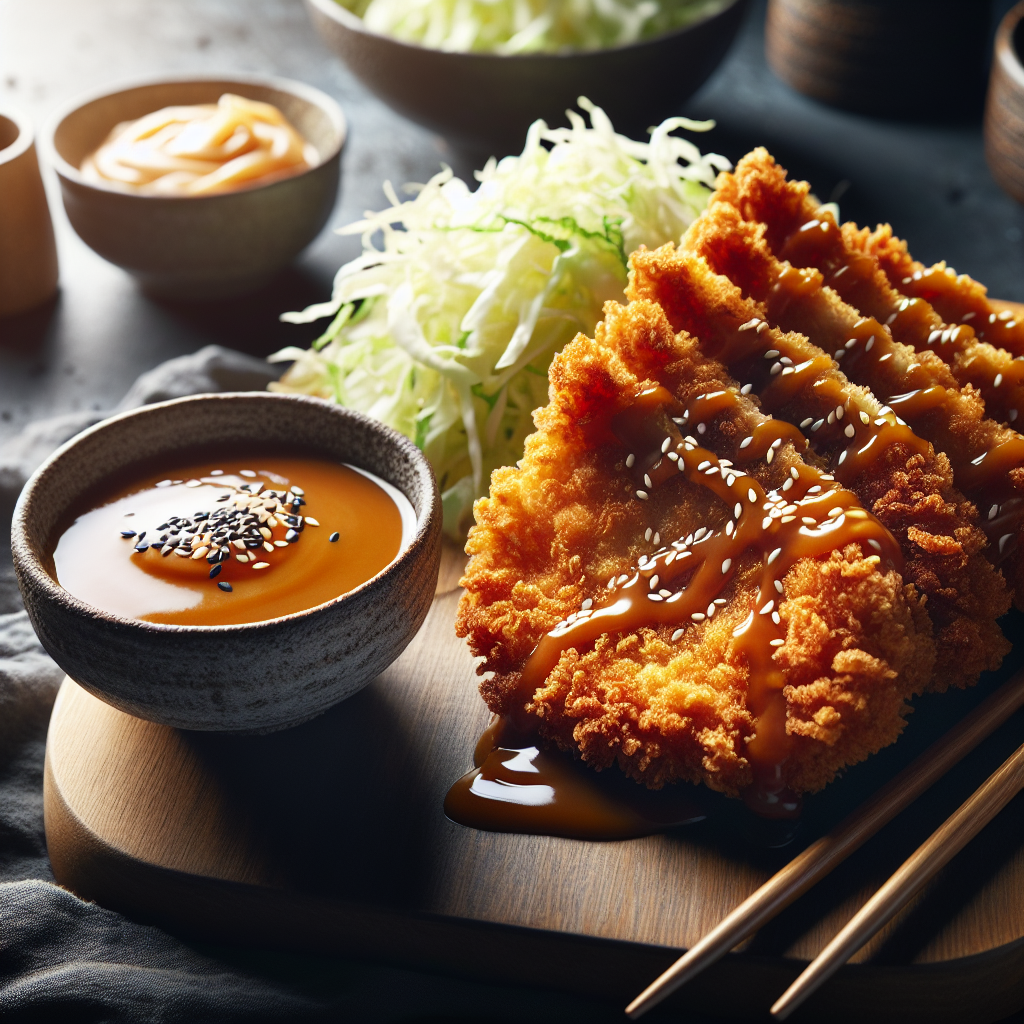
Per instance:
x=987, y=458
x=666, y=584
x=897, y=474
x=805, y=235
x=957, y=298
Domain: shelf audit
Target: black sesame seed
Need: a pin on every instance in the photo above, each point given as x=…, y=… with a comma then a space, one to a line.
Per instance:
x=225, y=586
x=167, y=549
x=333, y=537
x=141, y=535
x=215, y=571
x=141, y=547
x=163, y=526
x=127, y=533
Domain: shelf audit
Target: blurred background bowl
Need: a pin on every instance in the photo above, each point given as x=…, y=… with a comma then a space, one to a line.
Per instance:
x=919, y=59
x=194, y=248
x=1004, y=111
x=484, y=102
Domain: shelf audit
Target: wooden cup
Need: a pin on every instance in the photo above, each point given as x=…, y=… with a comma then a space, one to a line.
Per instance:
x=28, y=253
x=1004, y=109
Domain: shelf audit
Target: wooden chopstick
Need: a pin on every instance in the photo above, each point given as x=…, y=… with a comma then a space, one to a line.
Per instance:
x=932, y=855
x=810, y=866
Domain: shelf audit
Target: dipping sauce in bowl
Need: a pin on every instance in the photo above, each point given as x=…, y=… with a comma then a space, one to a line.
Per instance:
x=201, y=150
x=231, y=540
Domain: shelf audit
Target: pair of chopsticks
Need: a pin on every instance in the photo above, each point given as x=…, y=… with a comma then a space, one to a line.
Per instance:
x=809, y=867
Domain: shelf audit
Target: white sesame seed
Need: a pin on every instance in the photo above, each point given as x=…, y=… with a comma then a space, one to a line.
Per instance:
x=841, y=459
x=817, y=425
x=776, y=369
x=655, y=597
x=838, y=354
x=768, y=607
x=776, y=619
x=848, y=430
x=673, y=456
x=701, y=428
x=711, y=609
x=745, y=390
x=762, y=326
x=261, y=565
x=751, y=495
x=749, y=324
x=588, y=603
x=700, y=533
x=280, y=543
x=642, y=495
x=771, y=353
x=737, y=510
x=657, y=538
x=998, y=380
x=851, y=343
x=746, y=441
x=648, y=533
x=704, y=465
x=778, y=586
x=654, y=582
x=993, y=512
x=775, y=554
x=720, y=601
x=630, y=459
x=831, y=418
x=665, y=593
x=310, y=521
x=666, y=444
x=677, y=634
x=769, y=455
x=1003, y=541
x=871, y=341
x=729, y=527
x=727, y=565
x=647, y=480
x=804, y=424
x=776, y=643
x=698, y=616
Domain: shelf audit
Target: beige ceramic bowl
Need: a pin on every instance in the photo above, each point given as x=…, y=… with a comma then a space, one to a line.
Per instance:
x=199, y=247
x=1004, y=110
x=258, y=676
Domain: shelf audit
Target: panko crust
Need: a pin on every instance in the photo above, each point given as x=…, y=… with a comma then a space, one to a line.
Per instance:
x=554, y=530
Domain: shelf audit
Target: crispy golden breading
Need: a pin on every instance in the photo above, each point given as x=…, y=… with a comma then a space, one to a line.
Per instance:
x=553, y=532
x=755, y=214
x=910, y=491
x=957, y=298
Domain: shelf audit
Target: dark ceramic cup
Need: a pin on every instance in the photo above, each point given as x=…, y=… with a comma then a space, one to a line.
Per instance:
x=1004, y=110
x=255, y=677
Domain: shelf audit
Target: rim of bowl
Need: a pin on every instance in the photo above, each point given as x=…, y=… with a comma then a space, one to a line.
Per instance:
x=1006, y=52
x=336, y=12
x=25, y=136
x=309, y=93
x=33, y=566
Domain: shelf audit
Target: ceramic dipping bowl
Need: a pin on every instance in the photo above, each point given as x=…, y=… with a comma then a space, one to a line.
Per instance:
x=194, y=248
x=1004, y=109
x=484, y=102
x=255, y=677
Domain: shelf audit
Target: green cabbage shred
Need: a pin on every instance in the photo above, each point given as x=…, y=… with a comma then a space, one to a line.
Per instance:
x=446, y=331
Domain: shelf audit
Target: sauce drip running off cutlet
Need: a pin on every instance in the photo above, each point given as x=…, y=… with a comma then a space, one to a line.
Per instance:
x=212, y=545
x=681, y=583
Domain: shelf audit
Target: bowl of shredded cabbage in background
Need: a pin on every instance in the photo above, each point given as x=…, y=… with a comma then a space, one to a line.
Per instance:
x=480, y=72
x=445, y=329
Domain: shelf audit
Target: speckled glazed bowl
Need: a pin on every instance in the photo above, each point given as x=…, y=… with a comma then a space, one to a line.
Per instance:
x=258, y=676
x=193, y=248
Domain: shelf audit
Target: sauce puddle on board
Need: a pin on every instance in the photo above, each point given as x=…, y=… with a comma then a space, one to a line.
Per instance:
x=518, y=786
x=219, y=543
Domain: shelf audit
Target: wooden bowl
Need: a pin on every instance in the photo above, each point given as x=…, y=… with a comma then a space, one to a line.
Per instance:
x=486, y=101
x=28, y=253
x=922, y=59
x=258, y=676
x=1004, y=109
x=194, y=248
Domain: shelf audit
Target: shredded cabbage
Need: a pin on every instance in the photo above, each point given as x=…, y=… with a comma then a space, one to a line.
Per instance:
x=528, y=26
x=447, y=331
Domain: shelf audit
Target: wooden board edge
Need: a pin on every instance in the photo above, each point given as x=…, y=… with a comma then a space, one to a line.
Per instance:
x=982, y=988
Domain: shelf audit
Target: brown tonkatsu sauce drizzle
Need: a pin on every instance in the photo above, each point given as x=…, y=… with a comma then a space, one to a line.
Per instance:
x=519, y=786
x=914, y=322
x=982, y=472
x=680, y=585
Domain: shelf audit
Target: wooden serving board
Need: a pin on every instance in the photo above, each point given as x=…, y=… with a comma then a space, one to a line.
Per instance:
x=331, y=837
